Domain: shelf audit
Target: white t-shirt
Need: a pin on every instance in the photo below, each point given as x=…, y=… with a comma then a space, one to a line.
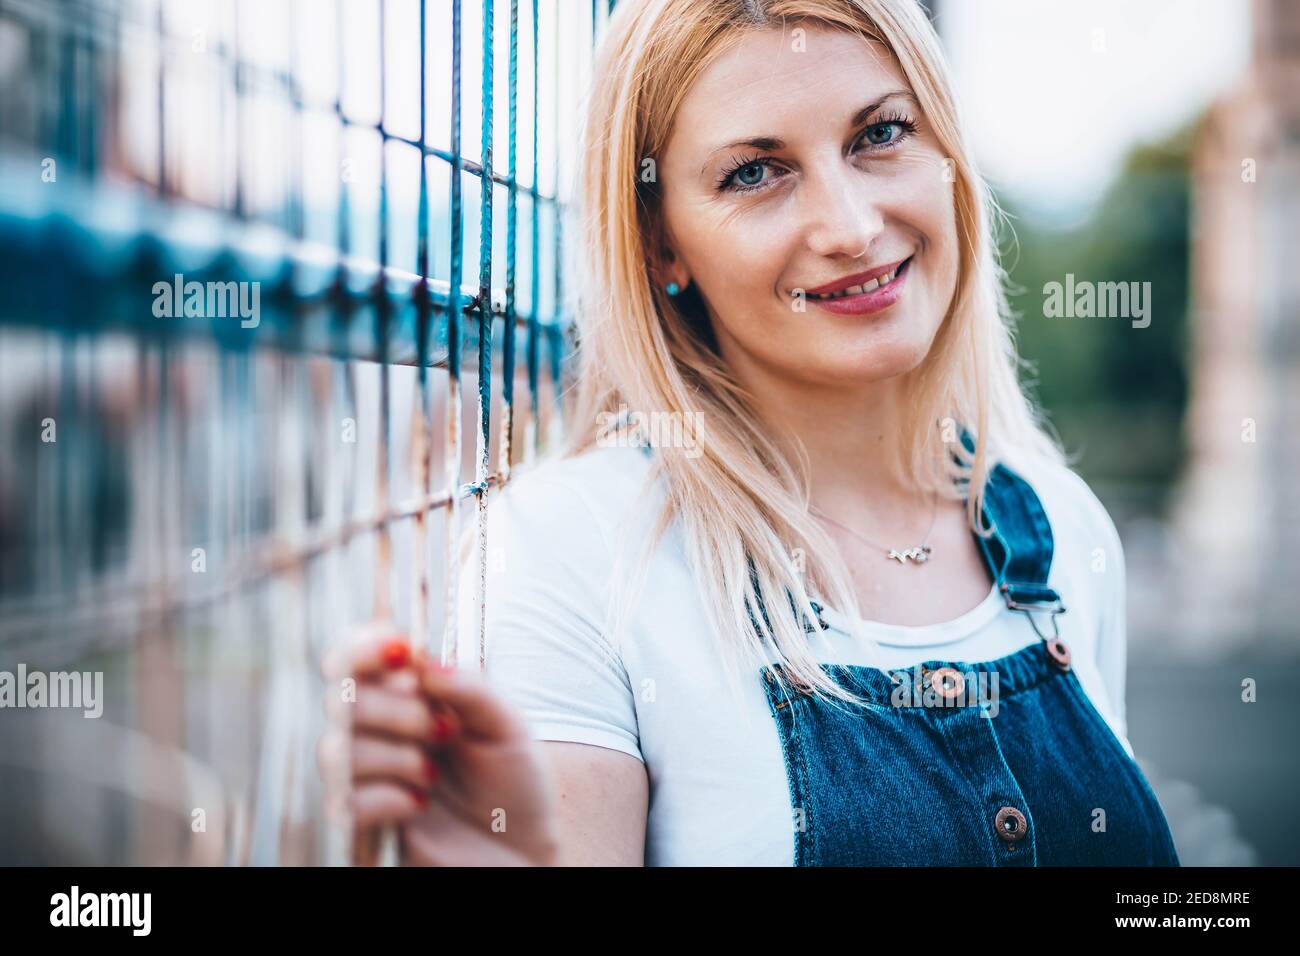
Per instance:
x=718, y=788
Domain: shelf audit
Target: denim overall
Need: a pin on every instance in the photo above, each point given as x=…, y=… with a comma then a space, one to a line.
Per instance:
x=925, y=774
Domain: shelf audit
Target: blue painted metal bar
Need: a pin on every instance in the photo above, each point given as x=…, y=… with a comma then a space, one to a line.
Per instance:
x=451, y=449
x=512, y=215
x=534, y=322
x=486, y=206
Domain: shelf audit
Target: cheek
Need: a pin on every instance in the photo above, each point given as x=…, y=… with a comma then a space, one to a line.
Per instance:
x=740, y=258
x=927, y=203
x=932, y=214
x=948, y=255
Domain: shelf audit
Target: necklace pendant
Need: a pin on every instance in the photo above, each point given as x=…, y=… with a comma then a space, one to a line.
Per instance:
x=919, y=555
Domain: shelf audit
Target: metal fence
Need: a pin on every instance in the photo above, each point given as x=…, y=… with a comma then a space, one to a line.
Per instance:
x=245, y=249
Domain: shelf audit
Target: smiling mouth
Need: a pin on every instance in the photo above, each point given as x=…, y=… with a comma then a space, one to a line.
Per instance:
x=870, y=285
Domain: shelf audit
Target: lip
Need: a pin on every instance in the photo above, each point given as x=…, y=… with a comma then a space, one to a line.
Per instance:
x=867, y=303
x=860, y=278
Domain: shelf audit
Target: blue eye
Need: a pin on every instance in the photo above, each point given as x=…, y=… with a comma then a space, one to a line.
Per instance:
x=744, y=175
x=874, y=133
x=889, y=131
x=750, y=174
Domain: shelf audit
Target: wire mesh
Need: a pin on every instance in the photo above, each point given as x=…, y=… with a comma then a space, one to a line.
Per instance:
x=245, y=249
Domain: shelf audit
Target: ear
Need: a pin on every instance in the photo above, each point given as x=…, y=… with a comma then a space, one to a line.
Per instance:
x=668, y=267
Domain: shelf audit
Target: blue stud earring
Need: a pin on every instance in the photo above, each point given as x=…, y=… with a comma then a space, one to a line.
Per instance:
x=672, y=288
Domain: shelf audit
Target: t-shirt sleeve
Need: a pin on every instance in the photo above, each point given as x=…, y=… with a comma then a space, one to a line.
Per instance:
x=1089, y=528
x=547, y=565
x=1112, y=630
x=1112, y=639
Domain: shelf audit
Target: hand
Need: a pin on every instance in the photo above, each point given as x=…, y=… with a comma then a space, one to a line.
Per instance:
x=441, y=756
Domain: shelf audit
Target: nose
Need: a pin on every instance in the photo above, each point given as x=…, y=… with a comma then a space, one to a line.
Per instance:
x=842, y=213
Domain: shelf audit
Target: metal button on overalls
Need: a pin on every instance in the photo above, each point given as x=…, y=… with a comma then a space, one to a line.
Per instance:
x=1059, y=653
x=1010, y=824
x=947, y=682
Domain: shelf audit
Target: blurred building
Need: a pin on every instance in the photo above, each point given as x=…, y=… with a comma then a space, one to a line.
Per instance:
x=1237, y=513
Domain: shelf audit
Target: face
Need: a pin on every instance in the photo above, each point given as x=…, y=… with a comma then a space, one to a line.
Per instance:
x=790, y=171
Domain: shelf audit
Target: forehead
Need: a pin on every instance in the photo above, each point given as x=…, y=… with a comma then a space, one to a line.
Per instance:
x=772, y=76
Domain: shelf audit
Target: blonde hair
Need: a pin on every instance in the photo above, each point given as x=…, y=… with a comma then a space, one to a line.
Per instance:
x=742, y=496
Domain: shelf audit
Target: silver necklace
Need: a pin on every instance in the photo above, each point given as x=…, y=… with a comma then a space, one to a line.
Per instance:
x=919, y=554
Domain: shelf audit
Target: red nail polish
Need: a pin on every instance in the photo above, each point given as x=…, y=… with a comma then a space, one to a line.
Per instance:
x=396, y=653
x=430, y=769
x=422, y=798
x=441, y=729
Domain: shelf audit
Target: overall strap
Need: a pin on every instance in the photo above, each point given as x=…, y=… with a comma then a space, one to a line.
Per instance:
x=1018, y=553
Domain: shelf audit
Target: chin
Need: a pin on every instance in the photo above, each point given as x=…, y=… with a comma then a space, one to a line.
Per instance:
x=871, y=356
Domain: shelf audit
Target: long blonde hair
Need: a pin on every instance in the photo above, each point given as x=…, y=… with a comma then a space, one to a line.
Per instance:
x=742, y=497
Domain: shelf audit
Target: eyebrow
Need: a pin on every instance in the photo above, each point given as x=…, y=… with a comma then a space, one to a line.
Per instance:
x=769, y=143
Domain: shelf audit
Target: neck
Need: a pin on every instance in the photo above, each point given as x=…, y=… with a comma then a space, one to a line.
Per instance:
x=853, y=436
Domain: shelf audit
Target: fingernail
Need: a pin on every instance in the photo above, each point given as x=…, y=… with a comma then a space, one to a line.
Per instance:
x=442, y=728
x=422, y=798
x=430, y=769
x=396, y=653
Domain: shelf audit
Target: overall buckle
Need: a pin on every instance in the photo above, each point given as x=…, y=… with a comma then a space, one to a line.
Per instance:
x=1046, y=600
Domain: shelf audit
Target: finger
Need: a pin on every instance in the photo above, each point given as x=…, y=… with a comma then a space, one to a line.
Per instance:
x=381, y=801
x=340, y=697
x=331, y=752
x=377, y=710
x=375, y=759
x=373, y=649
x=340, y=756
x=474, y=707
x=402, y=681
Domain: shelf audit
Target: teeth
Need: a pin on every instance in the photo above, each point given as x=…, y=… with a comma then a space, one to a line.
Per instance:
x=871, y=286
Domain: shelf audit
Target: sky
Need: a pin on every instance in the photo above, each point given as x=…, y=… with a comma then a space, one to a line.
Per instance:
x=1056, y=93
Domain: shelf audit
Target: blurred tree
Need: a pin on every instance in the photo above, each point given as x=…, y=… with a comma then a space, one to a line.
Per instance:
x=1115, y=393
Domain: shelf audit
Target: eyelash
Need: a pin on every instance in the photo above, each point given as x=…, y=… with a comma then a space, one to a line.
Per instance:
x=907, y=125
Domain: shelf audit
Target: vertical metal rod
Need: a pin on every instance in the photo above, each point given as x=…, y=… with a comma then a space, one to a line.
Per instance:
x=422, y=450
x=534, y=325
x=556, y=384
x=506, y=453
x=451, y=450
x=162, y=100
x=237, y=64
x=362, y=846
x=383, y=607
x=337, y=482
x=485, y=328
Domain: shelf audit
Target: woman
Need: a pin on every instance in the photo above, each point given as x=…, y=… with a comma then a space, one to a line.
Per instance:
x=875, y=617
